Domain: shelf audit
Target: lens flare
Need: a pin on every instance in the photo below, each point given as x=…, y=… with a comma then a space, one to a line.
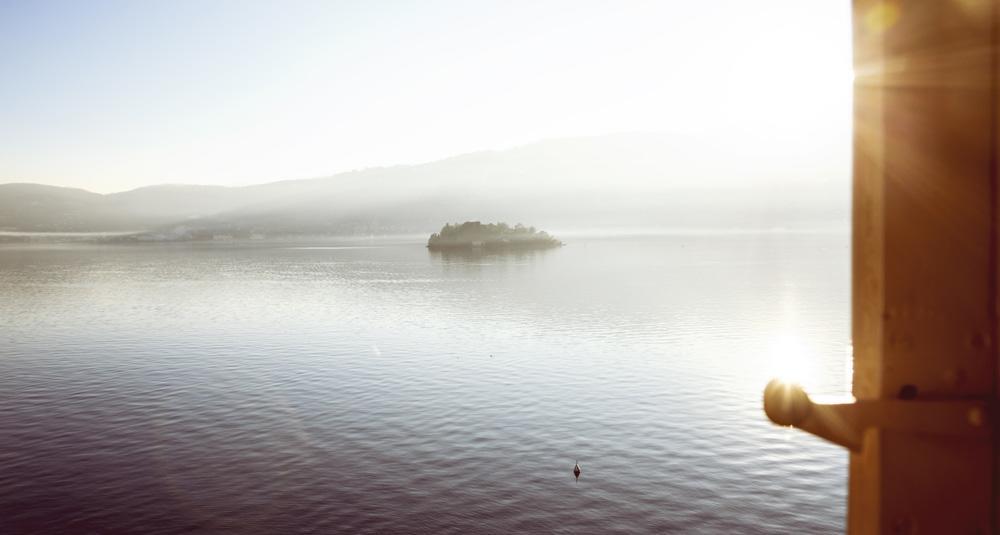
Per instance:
x=789, y=361
x=882, y=16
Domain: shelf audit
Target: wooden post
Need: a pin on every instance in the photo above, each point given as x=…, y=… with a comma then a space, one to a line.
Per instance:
x=925, y=257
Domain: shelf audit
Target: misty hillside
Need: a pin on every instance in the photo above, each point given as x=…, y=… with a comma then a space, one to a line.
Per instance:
x=623, y=180
x=38, y=207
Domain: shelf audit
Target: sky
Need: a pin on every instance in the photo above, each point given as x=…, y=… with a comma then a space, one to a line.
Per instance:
x=109, y=96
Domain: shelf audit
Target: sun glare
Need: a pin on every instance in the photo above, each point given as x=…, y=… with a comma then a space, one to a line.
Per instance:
x=790, y=361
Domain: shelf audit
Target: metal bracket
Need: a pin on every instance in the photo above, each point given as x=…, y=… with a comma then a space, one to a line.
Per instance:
x=788, y=404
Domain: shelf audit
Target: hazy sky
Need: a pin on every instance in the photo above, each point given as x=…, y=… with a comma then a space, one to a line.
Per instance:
x=109, y=96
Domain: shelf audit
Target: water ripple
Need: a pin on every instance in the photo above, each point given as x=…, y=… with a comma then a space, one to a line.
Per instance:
x=389, y=390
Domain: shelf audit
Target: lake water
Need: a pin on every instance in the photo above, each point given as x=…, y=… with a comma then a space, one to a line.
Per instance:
x=374, y=386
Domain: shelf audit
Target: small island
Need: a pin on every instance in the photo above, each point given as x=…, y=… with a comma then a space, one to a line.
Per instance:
x=497, y=236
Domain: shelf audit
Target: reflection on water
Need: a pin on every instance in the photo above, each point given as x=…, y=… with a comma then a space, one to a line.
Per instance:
x=483, y=257
x=789, y=360
x=277, y=389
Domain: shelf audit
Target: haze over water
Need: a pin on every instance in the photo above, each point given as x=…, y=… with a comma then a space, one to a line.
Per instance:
x=374, y=386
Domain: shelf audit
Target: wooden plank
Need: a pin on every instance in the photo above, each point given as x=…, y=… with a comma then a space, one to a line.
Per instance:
x=924, y=265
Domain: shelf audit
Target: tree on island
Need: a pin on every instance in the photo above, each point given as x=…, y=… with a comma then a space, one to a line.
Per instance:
x=491, y=235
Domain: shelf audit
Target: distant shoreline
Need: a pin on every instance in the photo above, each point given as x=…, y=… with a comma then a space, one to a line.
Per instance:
x=496, y=246
x=24, y=237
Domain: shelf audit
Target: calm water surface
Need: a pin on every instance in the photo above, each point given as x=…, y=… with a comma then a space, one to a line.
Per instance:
x=377, y=387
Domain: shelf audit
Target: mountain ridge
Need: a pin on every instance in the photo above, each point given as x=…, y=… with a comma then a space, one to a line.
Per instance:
x=621, y=179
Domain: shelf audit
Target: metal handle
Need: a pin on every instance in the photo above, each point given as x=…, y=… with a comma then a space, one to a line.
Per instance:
x=787, y=404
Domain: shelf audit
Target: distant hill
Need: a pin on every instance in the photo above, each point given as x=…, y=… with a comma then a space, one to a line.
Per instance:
x=621, y=180
x=34, y=207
